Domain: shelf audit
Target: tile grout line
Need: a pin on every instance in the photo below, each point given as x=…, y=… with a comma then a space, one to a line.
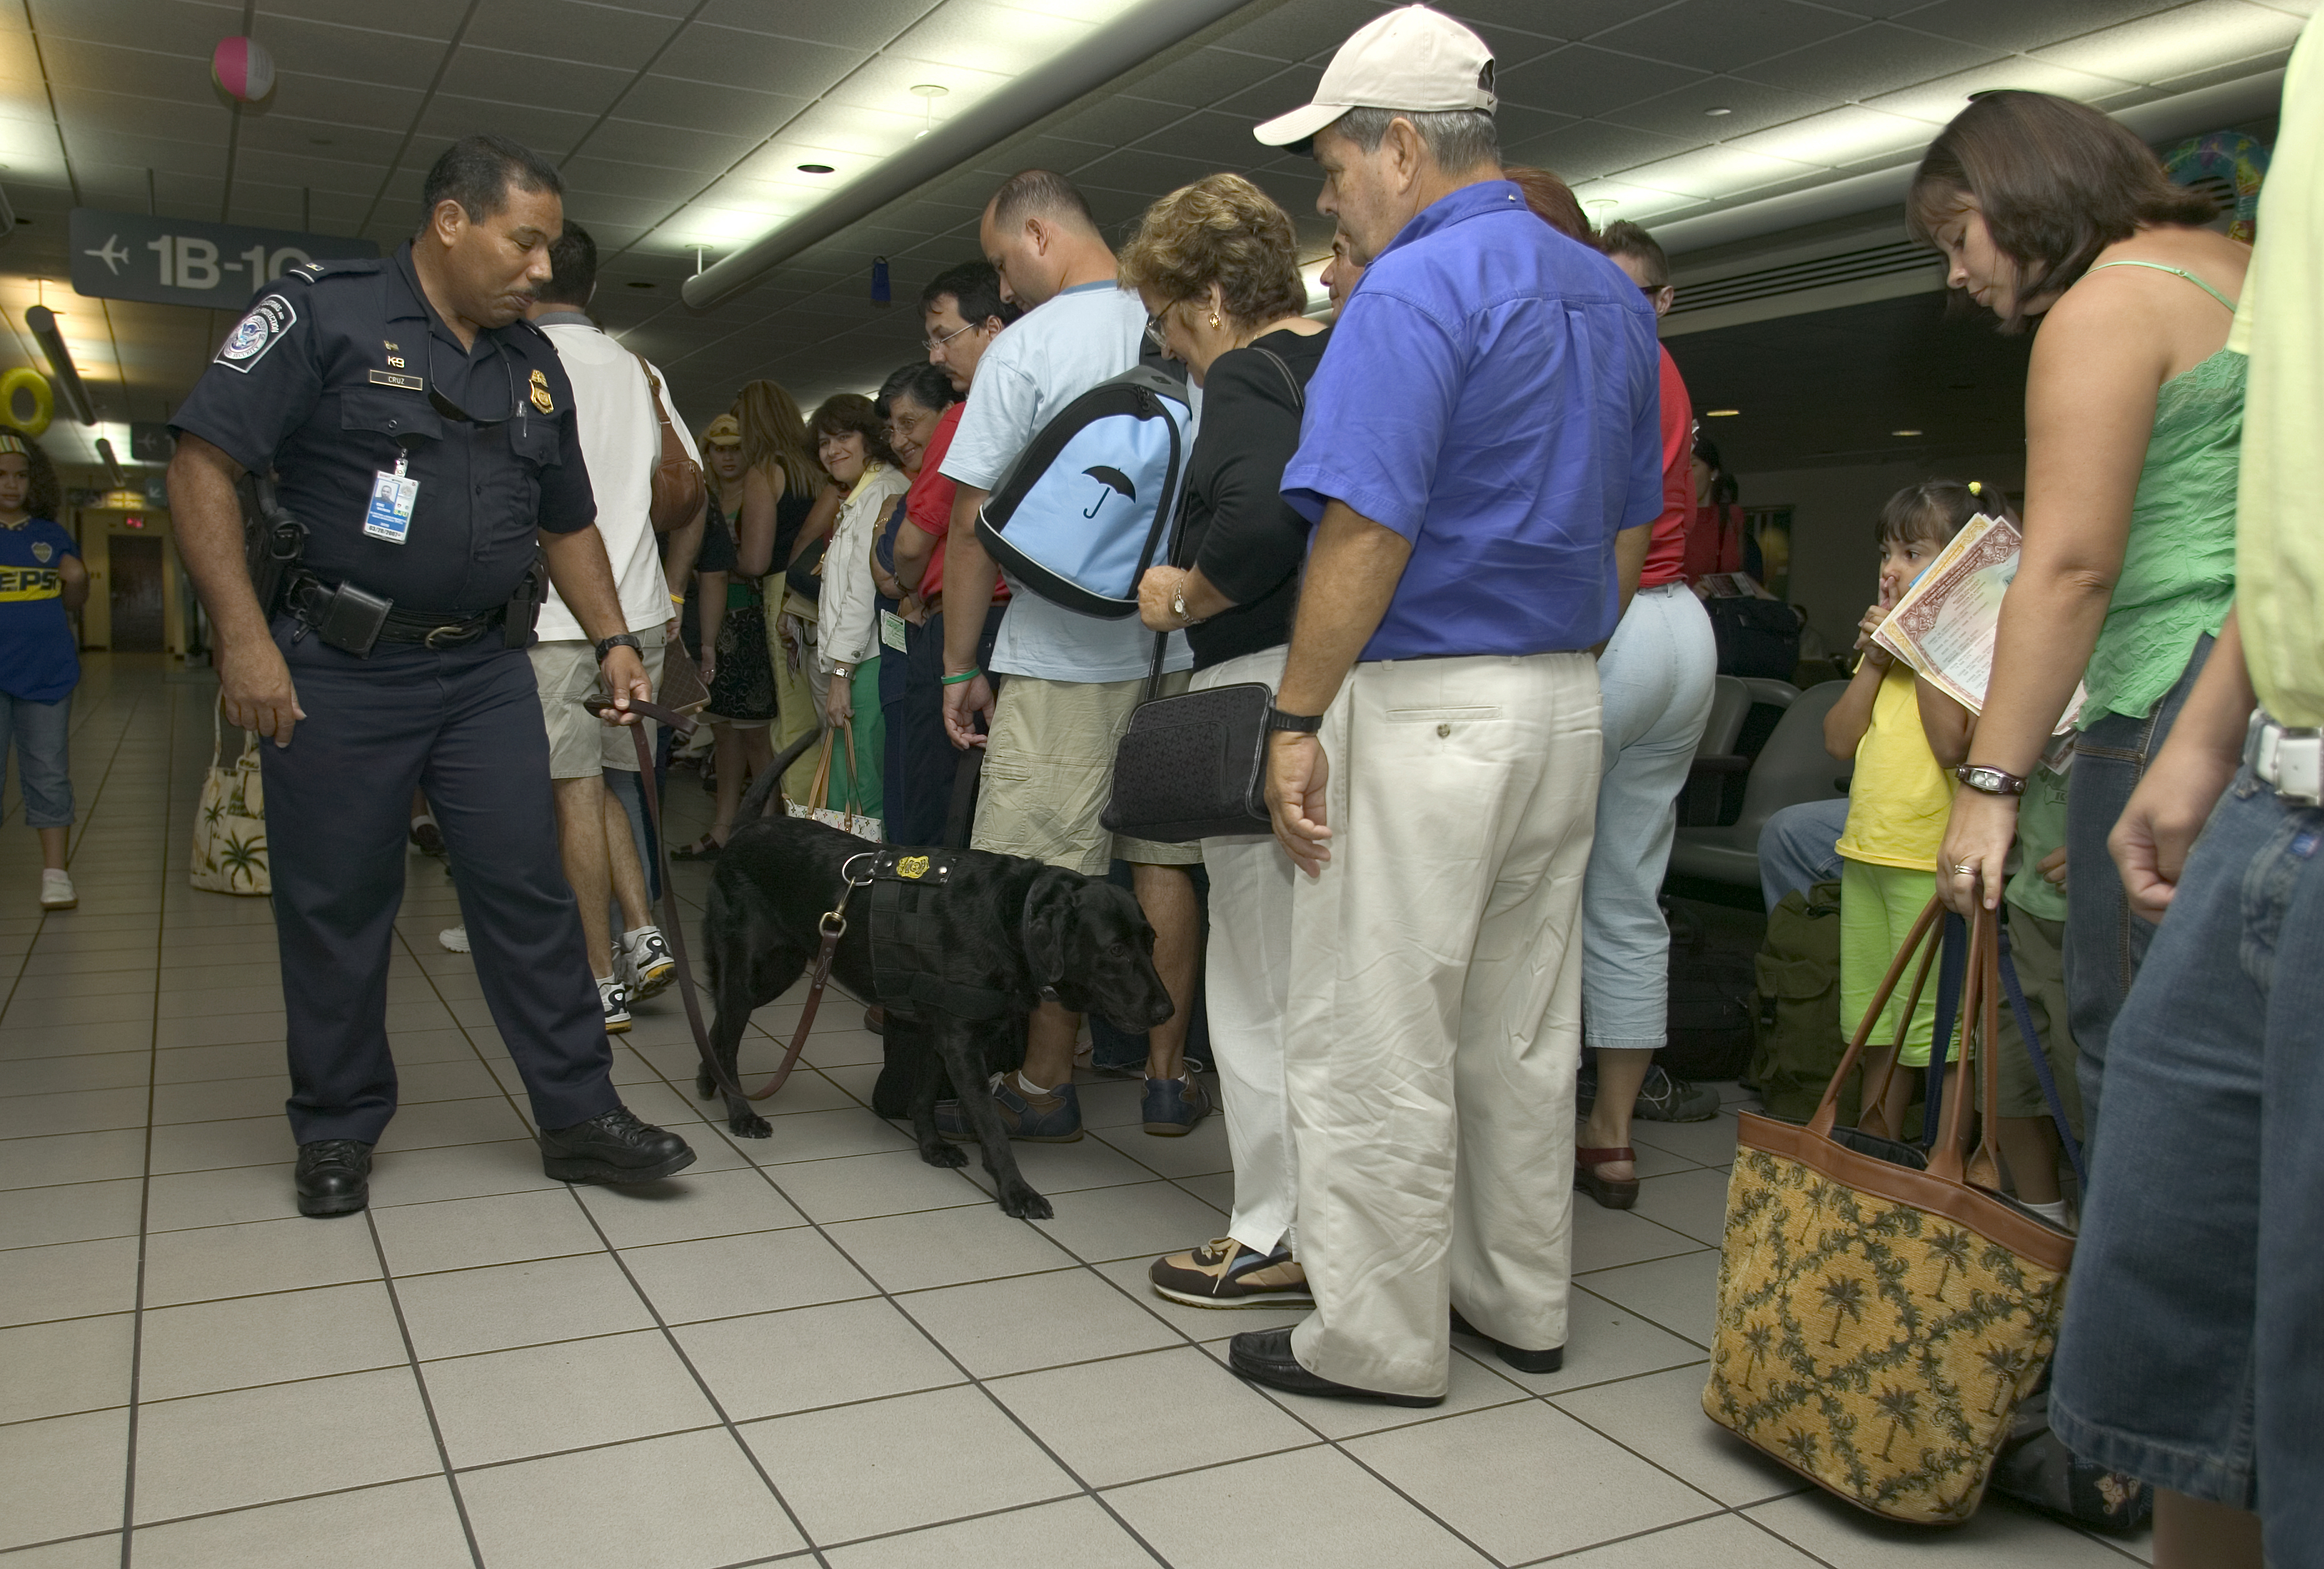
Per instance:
x=427, y=1402
x=145, y=1185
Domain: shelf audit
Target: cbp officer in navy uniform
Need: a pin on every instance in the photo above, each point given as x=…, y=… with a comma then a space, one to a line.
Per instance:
x=423, y=433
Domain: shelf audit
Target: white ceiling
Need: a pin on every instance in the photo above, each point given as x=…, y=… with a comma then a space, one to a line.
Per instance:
x=683, y=120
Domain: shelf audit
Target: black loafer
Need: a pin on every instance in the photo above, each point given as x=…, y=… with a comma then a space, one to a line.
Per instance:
x=333, y=1178
x=613, y=1148
x=1525, y=1361
x=1264, y=1357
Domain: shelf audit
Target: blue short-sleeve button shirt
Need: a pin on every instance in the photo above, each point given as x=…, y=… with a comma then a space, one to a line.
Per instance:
x=1491, y=392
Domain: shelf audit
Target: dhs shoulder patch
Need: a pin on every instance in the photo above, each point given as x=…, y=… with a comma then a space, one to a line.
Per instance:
x=256, y=334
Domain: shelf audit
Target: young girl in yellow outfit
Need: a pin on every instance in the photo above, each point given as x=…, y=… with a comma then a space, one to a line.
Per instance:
x=1899, y=799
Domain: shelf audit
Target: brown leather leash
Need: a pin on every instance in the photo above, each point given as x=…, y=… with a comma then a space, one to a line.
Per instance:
x=832, y=924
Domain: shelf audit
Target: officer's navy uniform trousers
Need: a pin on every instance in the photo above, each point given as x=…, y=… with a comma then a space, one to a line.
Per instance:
x=464, y=725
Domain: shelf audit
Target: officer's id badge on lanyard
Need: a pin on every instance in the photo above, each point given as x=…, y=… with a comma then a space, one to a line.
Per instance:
x=392, y=497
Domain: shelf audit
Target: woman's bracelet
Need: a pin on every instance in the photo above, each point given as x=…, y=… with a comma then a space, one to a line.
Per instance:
x=969, y=674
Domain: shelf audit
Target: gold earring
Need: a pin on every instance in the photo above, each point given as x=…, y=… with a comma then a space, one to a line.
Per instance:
x=1214, y=320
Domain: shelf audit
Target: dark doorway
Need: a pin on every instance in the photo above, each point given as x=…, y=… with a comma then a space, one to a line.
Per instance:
x=137, y=595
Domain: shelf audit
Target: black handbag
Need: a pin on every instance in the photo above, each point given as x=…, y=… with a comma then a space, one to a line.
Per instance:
x=1194, y=766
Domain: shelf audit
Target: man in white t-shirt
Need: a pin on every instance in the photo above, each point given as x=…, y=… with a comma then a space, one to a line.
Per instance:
x=621, y=437
x=1071, y=679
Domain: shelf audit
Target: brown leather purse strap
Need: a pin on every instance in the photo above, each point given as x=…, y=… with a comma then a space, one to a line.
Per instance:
x=674, y=919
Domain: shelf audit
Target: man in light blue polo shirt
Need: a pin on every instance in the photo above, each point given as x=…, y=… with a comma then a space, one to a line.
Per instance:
x=1072, y=679
x=1484, y=423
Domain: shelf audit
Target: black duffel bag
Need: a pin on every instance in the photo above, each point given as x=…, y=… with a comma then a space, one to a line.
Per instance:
x=1757, y=637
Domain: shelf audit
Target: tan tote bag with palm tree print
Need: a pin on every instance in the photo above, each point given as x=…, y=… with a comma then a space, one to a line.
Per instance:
x=1881, y=1313
x=230, y=829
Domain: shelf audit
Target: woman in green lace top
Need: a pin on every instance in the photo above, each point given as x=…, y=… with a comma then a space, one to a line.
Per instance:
x=2048, y=210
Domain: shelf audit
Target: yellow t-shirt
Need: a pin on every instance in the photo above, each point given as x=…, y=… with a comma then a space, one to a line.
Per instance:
x=2279, y=549
x=1899, y=799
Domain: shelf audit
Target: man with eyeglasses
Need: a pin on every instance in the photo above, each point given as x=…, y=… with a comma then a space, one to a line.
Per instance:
x=423, y=434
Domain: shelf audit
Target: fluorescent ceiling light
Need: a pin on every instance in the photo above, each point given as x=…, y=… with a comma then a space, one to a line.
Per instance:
x=1837, y=138
x=1937, y=102
x=1715, y=172
x=1720, y=414
x=2178, y=42
x=1904, y=433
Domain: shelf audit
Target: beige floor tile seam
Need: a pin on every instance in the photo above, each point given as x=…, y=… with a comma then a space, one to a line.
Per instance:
x=145, y=1194
x=669, y=1339
x=1654, y=1531
x=894, y=1300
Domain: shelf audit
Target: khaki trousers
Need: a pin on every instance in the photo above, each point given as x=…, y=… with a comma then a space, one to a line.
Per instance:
x=1434, y=1025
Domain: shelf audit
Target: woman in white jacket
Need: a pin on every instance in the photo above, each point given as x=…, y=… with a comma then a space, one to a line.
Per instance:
x=852, y=445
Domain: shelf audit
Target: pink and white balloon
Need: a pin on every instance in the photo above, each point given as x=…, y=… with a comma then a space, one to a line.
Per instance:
x=242, y=69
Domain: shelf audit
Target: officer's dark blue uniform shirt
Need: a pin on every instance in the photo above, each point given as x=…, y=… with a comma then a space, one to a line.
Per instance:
x=328, y=379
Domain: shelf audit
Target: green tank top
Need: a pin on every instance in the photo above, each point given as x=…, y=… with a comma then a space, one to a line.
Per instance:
x=2178, y=570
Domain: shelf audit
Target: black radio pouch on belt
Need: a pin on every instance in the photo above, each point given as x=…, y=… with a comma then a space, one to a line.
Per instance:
x=273, y=541
x=352, y=620
x=524, y=605
x=908, y=967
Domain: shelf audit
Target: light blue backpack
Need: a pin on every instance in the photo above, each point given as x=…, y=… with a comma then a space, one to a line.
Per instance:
x=1085, y=509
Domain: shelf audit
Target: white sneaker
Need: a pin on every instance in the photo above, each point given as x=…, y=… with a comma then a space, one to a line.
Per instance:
x=652, y=966
x=57, y=894
x=615, y=997
x=455, y=940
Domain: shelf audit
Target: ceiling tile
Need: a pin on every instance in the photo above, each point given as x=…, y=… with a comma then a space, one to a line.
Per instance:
x=155, y=26
x=436, y=19
x=1584, y=80
x=173, y=79
x=2175, y=43
x=1304, y=29
x=699, y=107
x=1589, y=149
x=547, y=130
x=570, y=30
x=606, y=177
x=1937, y=102
x=499, y=76
x=1876, y=59
x=1684, y=113
x=1207, y=76
x=1572, y=20
x=859, y=24
x=1840, y=138
x=754, y=60
x=629, y=141
x=1723, y=35
x=315, y=100
x=1709, y=171
x=2012, y=25
x=315, y=49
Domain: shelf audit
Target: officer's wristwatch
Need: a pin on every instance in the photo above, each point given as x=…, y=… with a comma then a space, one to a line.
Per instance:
x=620, y=639
x=1305, y=723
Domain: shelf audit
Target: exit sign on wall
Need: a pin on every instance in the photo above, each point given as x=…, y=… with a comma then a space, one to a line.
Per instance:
x=118, y=255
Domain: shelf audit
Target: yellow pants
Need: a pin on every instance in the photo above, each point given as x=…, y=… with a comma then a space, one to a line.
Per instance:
x=1877, y=908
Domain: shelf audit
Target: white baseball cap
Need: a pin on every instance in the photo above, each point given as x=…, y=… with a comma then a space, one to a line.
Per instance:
x=1412, y=58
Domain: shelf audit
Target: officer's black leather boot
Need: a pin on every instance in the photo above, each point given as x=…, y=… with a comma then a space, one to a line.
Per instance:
x=614, y=1147
x=334, y=1176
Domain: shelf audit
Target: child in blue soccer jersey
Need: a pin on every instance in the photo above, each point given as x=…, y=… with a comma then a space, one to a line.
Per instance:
x=41, y=583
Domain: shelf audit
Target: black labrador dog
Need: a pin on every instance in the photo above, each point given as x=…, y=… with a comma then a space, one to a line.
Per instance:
x=1032, y=930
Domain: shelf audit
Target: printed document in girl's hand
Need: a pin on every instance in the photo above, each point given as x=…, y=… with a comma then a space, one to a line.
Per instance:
x=1945, y=626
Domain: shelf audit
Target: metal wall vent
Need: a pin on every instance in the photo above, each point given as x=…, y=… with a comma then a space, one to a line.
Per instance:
x=1887, y=261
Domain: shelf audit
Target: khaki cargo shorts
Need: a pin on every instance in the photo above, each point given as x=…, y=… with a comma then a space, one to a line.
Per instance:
x=1049, y=769
x=579, y=743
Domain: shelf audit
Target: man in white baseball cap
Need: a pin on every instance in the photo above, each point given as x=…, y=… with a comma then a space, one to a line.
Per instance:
x=1484, y=422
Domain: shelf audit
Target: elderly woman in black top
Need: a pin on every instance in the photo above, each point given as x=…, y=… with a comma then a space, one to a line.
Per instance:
x=1215, y=264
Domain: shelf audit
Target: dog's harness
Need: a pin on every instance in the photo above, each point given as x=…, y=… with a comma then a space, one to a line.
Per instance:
x=911, y=968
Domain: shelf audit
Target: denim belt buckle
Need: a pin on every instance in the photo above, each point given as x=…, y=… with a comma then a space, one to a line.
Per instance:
x=2289, y=759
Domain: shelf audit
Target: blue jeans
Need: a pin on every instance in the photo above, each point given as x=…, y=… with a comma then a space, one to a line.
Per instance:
x=2197, y=1264
x=2105, y=942
x=1799, y=847
x=37, y=731
x=1656, y=680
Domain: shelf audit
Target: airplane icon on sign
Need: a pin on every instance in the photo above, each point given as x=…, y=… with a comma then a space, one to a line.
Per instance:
x=110, y=255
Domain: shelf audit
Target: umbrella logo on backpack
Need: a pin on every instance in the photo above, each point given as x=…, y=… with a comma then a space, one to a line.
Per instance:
x=1114, y=479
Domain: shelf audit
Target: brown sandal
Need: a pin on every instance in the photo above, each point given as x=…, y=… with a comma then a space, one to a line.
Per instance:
x=1611, y=1192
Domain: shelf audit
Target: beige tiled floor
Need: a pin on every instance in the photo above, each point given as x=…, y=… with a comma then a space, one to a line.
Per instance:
x=812, y=1345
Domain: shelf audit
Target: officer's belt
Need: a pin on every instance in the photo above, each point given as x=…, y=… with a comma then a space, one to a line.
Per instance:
x=909, y=968
x=310, y=598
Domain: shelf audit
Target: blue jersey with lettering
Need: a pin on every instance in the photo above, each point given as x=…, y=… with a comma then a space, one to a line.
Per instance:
x=37, y=661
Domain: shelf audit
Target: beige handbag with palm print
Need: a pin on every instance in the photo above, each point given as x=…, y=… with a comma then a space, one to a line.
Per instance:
x=230, y=829
x=1881, y=1313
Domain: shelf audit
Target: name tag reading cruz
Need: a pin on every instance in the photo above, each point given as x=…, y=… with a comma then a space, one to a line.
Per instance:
x=392, y=497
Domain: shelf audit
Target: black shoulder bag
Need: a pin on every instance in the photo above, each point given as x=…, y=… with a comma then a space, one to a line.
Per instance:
x=1194, y=766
